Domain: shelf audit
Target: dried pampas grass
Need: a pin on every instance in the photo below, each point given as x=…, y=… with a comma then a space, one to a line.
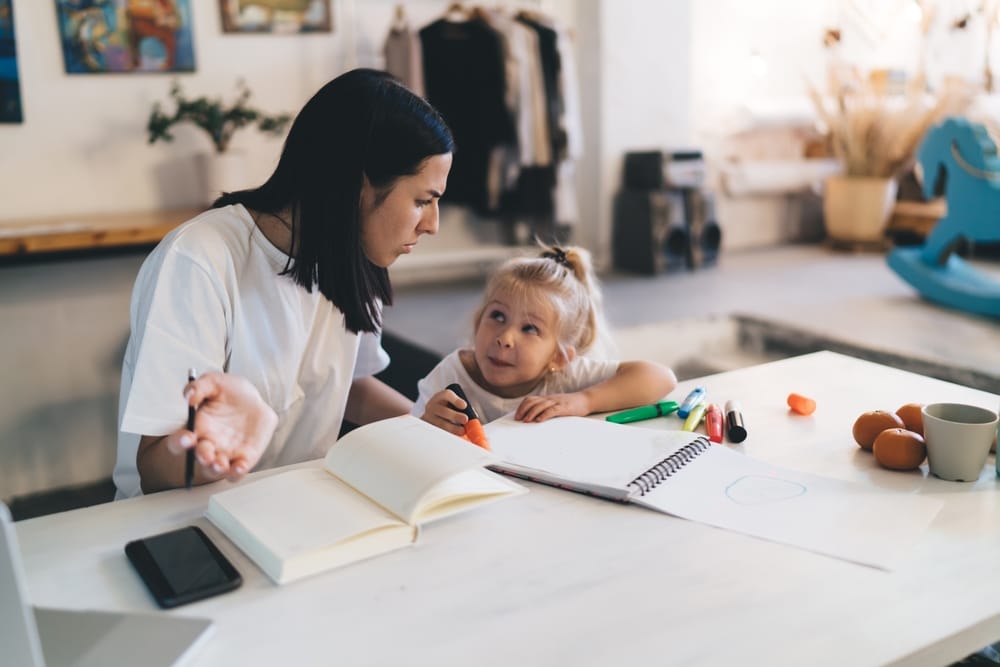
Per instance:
x=876, y=133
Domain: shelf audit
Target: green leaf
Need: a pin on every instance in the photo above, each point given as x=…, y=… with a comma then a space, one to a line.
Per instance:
x=218, y=120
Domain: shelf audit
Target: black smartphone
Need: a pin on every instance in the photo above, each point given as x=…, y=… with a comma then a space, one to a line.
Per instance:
x=182, y=566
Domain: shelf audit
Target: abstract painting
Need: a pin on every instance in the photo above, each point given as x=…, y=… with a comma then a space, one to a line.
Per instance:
x=276, y=16
x=100, y=36
x=10, y=89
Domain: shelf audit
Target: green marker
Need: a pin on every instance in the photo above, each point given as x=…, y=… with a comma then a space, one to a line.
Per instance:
x=661, y=409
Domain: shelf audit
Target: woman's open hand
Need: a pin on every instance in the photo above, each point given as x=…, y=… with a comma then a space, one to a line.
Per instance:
x=233, y=425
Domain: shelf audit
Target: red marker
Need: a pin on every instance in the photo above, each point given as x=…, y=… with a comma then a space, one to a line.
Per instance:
x=474, y=432
x=713, y=422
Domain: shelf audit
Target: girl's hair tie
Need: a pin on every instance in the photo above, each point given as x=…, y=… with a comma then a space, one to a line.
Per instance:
x=558, y=255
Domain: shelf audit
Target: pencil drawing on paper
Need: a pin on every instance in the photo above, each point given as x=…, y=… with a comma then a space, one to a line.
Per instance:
x=761, y=490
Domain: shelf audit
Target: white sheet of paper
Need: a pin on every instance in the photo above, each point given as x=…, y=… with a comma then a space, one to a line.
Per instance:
x=724, y=488
x=583, y=450
x=852, y=521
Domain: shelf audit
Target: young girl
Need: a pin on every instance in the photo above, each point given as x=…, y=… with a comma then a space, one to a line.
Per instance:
x=538, y=318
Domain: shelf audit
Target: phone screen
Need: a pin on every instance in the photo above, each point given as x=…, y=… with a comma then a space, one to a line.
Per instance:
x=185, y=561
x=182, y=566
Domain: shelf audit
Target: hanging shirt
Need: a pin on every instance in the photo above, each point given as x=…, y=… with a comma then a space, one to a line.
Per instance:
x=464, y=76
x=404, y=58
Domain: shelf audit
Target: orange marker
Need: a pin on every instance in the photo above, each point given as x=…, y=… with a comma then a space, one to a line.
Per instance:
x=801, y=404
x=474, y=432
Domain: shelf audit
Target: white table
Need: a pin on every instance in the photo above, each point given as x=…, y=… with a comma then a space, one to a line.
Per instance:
x=557, y=578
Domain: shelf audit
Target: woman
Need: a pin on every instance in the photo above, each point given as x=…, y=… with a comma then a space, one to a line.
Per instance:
x=278, y=291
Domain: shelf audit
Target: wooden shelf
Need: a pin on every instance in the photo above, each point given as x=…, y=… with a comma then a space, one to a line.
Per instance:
x=85, y=232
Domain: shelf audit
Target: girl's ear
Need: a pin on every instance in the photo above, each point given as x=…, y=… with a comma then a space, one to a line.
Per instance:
x=562, y=358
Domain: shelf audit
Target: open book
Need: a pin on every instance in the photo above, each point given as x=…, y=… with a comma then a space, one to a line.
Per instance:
x=377, y=484
x=683, y=474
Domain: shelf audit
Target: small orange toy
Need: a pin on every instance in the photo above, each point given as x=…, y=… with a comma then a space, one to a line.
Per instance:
x=801, y=404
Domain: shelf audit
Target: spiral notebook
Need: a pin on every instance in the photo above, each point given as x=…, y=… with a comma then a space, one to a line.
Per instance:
x=684, y=475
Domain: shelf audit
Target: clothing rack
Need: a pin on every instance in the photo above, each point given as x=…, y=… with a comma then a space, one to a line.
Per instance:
x=349, y=13
x=469, y=241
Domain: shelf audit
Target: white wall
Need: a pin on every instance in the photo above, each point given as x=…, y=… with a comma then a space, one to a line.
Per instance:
x=726, y=82
x=82, y=147
x=645, y=97
x=63, y=327
x=726, y=32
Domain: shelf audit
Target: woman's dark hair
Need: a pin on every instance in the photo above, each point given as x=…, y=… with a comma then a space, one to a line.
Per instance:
x=362, y=124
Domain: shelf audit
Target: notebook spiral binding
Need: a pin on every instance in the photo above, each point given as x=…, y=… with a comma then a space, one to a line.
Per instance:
x=658, y=473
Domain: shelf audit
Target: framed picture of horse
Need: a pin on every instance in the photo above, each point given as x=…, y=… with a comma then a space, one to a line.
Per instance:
x=10, y=87
x=276, y=16
x=139, y=36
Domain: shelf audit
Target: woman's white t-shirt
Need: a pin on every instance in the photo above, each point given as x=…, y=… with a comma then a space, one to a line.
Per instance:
x=209, y=297
x=579, y=374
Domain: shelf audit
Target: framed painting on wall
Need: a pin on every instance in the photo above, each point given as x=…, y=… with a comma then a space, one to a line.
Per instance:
x=276, y=16
x=100, y=36
x=10, y=87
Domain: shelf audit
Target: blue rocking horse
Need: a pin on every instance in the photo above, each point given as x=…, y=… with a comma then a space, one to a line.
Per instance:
x=959, y=157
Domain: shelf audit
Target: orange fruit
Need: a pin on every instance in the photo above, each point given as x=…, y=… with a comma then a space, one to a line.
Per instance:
x=899, y=449
x=912, y=417
x=870, y=424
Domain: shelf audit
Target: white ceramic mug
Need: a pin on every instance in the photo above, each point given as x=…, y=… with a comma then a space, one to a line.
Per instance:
x=958, y=439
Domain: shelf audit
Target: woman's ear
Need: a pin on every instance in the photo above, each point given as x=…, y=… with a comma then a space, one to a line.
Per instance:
x=366, y=198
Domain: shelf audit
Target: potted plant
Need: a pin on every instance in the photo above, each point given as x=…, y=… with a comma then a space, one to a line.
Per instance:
x=222, y=170
x=874, y=133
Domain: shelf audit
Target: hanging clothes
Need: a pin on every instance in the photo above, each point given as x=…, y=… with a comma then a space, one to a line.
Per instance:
x=506, y=84
x=465, y=80
x=525, y=88
x=548, y=50
x=519, y=53
x=563, y=117
x=404, y=58
x=567, y=208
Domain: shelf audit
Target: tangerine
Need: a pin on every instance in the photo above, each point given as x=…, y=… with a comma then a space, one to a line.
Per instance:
x=912, y=416
x=870, y=424
x=899, y=449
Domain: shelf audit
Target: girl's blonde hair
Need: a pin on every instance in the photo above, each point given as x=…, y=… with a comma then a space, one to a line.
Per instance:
x=565, y=276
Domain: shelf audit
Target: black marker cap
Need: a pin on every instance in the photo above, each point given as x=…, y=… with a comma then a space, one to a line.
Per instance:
x=457, y=390
x=735, y=430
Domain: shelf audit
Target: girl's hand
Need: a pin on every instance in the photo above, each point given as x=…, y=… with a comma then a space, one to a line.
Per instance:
x=440, y=413
x=540, y=408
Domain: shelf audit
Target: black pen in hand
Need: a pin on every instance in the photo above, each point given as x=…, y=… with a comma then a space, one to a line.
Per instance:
x=189, y=461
